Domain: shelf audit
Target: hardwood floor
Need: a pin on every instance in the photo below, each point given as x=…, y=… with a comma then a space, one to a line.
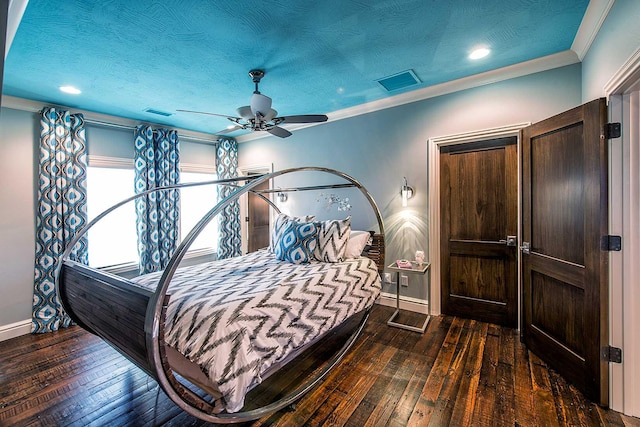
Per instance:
x=459, y=372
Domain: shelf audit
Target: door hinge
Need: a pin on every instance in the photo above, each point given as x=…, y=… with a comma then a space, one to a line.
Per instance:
x=612, y=130
x=246, y=219
x=612, y=354
x=611, y=243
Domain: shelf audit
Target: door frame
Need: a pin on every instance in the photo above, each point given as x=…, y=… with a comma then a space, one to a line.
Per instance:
x=433, y=180
x=624, y=206
x=244, y=200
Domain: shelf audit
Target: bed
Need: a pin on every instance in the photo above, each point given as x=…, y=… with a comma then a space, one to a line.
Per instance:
x=226, y=325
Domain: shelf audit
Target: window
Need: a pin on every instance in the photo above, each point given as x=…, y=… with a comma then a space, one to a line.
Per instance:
x=195, y=202
x=113, y=240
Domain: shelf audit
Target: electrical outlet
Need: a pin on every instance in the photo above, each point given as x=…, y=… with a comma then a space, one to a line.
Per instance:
x=404, y=280
x=386, y=277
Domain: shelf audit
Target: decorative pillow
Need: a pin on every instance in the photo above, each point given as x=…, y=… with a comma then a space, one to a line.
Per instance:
x=355, y=246
x=280, y=222
x=332, y=240
x=297, y=242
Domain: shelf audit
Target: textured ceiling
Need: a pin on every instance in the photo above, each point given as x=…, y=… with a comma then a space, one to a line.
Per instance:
x=319, y=56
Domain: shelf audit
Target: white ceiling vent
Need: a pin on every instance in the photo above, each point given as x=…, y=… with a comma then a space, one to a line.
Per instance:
x=399, y=81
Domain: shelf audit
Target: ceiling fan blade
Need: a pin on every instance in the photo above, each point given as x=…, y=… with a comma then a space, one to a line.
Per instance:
x=210, y=114
x=307, y=118
x=229, y=129
x=278, y=131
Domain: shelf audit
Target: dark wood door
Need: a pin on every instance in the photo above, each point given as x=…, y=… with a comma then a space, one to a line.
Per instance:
x=479, y=204
x=564, y=216
x=258, y=220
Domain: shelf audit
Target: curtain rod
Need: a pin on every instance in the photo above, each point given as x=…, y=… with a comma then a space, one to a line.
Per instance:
x=130, y=127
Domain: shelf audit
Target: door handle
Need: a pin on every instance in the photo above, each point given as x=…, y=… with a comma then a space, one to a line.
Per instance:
x=510, y=241
x=525, y=248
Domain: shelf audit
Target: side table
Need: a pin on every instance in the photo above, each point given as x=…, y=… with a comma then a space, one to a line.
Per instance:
x=415, y=269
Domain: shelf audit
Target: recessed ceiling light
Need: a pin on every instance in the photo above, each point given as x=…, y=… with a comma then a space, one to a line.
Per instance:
x=71, y=90
x=480, y=52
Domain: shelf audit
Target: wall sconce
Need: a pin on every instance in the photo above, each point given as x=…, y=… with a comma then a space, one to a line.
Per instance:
x=282, y=197
x=406, y=192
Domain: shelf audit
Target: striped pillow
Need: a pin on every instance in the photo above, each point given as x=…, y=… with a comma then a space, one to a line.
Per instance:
x=333, y=237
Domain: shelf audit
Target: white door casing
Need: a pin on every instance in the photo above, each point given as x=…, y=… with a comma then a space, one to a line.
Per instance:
x=623, y=91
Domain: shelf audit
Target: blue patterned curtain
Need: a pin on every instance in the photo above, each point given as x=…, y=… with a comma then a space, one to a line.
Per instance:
x=230, y=243
x=62, y=210
x=157, y=161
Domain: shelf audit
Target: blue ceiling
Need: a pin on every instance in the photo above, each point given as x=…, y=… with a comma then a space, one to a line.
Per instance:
x=319, y=56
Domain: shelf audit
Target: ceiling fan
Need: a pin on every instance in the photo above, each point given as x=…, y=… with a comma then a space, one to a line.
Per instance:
x=259, y=116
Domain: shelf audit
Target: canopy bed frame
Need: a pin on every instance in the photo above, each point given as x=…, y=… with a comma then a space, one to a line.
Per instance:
x=131, y=317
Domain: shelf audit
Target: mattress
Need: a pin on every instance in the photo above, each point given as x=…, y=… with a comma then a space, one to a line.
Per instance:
x=238, y=317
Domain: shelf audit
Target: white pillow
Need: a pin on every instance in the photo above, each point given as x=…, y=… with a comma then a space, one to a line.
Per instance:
x=357, y=241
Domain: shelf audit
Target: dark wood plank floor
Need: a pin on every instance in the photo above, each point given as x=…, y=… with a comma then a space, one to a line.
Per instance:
x=459, y=372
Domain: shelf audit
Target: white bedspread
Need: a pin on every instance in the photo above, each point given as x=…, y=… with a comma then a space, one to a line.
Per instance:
x=237, y=317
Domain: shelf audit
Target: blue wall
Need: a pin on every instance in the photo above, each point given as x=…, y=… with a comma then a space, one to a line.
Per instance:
x=380, y=148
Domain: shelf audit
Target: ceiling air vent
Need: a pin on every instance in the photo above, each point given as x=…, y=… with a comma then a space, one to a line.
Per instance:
x=158, y=112
x=399, y=81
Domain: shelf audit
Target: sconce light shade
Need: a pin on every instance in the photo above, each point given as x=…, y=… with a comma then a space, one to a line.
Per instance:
x=406, y=192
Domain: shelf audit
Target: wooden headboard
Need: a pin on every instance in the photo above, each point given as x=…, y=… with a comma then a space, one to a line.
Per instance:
x=376, y=253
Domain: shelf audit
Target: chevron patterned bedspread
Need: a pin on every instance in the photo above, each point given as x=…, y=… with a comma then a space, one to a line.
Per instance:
x=237, y=317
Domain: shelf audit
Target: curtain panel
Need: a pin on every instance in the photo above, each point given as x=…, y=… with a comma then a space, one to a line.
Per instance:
x=230, y=243
x=157, y=164
x=61, y=210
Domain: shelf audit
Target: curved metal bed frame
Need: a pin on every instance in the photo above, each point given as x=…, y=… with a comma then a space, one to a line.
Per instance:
x=131, y=318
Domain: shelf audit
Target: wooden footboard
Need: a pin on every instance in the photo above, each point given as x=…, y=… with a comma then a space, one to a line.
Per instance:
x=109, y=306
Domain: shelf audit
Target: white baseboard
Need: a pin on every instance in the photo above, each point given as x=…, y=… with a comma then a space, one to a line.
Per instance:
x=406, y=303
x=15, y=329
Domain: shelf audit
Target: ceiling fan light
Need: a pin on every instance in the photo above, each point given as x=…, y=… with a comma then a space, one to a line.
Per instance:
x=271, y=115
x=260, y=104
x=245, y=112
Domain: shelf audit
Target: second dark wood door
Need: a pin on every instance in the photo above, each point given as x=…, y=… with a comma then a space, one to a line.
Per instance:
x=258, y=220
x=478, y=202
x=564, y=269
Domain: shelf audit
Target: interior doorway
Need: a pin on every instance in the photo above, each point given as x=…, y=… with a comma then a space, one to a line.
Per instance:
x=255, y=212
x=257, y=220
x=479, y=223
x=623, y=92
x=435, y=146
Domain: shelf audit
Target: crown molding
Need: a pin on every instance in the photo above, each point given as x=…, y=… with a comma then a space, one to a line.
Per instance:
x=557, y=60
x=104, y=120
x=14, y=16
x=593, y=18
